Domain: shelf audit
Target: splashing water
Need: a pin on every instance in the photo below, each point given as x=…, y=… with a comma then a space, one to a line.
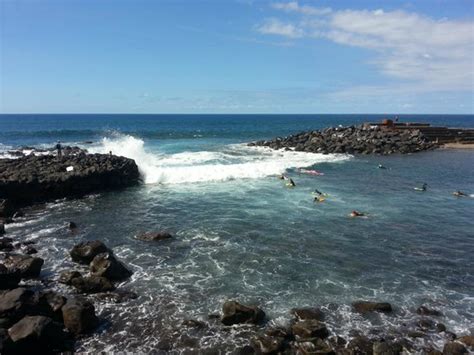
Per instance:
x=233, y=162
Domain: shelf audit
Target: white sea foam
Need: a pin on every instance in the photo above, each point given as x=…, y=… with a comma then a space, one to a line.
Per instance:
x=234, y=162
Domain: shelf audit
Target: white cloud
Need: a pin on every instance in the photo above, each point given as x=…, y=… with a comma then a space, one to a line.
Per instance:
x=433, y=54
x=293, y=6
x=276, y=27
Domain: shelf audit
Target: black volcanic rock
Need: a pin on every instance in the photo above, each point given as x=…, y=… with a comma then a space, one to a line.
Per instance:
x=34, y=179
x=363, y=139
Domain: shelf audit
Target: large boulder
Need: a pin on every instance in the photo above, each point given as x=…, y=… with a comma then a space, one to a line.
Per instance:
x=16, y=303
x=37, y=334
x=8, y=278
x=153, y=236
x=27, y=266
x=235, y=313
x=79, y=316
x=310, y=328
x=85, y=252
x=50, y=304
x=92, y=284
x=454, y=348
x=366, y=307
x=468, y=340
x=106, y=265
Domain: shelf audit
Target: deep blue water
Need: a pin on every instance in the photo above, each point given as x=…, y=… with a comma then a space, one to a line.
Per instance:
x=240, y=233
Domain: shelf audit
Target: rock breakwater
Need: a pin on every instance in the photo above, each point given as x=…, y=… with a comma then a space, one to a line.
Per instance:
x=362, y=139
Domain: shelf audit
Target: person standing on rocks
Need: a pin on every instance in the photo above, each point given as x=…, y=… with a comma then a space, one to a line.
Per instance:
x=59, y=149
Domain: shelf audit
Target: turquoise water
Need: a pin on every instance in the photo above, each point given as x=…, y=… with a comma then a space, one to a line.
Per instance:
x=240, y=233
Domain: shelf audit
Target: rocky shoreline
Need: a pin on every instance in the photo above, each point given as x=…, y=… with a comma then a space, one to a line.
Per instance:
x=39, y=318
x=35, y=178
x=362, y=139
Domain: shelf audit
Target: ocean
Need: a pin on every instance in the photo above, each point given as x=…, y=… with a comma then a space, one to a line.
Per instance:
x=241, y=234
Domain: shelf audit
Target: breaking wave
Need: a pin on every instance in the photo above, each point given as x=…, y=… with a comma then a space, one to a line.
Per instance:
x=232, y=162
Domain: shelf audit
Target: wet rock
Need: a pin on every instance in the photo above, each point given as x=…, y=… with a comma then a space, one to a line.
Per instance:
x=118, y=296
x=366, y=307
x=29, y=250
x=50, y=304
x=425, y=311
x=308, y=313
x=310, y=328
x=454, y=348
x=280, y=333
x=6, y=244
x=467, y=340
x=36, y=334
x=79, y=316
x=193, y=323
x=2, y=228
x=265, y=344
x=34, y=179
x=16, y=303
x=106, y=265
x=153, y=236
x=361, y=345
x=386, y=348
x=7, y=209
x=92, y=284
x=66, y=277
x=85, y=252
x=27, y=266
x=235, y=313
x=72, y=225
x=8, y=278
x=416, y=334
x=313, y=346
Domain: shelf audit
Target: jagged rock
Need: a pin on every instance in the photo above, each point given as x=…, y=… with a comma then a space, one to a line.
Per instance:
x=85, y=252
x=79, y=316
x=106, y=265
x=365, y=307
x=34, y=179
x=153, y=236
x=27, y=266
x=29, y=250
x=308, y=313
x=313, y=346
x=92, y=284
x=310, y=328
x=425, y=311
x=454, y=348
x=235, y=313
x=66, y=277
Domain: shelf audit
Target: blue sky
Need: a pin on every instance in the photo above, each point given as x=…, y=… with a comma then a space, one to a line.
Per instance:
x=242, y=56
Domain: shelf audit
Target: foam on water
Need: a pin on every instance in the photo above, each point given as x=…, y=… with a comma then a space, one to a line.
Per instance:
x=234, y=162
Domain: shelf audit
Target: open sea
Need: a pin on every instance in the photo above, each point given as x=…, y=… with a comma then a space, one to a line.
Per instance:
x=241, y=234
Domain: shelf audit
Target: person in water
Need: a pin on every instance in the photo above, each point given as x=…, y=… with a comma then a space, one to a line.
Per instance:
x=380, y=166
x=459, y=193
x=357, y=214
x=282, y=177
x=317, y=192
x=423, y=188
x=291, y=183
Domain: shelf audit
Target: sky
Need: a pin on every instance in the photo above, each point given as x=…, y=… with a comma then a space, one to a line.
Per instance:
x=236, y=56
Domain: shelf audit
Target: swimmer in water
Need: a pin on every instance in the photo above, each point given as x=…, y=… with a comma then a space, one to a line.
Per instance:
x=380, y=166
x=291, y=183
x=422, y=188
x=459, y=194
x=357, y=214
